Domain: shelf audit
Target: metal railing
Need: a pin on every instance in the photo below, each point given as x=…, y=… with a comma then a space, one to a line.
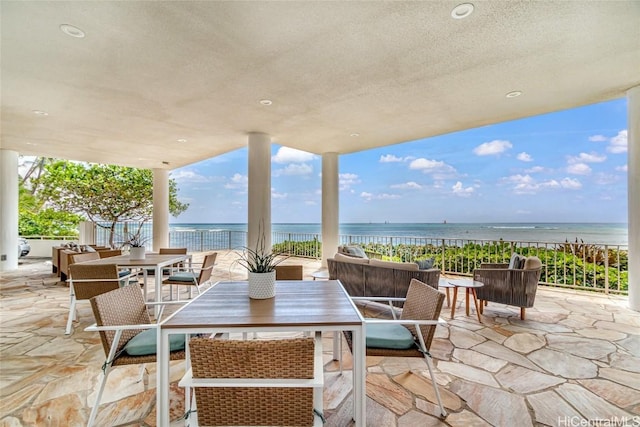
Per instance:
x=596, y=267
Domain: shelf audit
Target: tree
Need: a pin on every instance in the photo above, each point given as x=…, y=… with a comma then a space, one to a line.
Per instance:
x=37, y=220
x=103, y=192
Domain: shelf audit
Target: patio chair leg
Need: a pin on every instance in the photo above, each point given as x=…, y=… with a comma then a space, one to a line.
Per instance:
x=96, y=405
x=522, y=313
x=443, y=413
x=72, y=315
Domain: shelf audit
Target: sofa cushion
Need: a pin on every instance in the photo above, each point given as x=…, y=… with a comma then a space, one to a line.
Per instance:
x=411, y=266
x=354, y=251
x=354, y=260
x=516, y=262
x=425, y=264
x=532, y=263
x=389, y=335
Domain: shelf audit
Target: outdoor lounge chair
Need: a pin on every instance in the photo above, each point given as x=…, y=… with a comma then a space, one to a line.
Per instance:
x=510, y=286
x=256, y=382
x=412, y=334
x=127, y=334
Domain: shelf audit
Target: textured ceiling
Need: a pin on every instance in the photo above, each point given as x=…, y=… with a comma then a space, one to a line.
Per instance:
x=150, y=73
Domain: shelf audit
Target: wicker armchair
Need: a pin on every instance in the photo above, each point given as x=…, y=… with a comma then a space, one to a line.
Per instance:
x=87, y=281
x=420, y=316
x=120, y=316
x=516, y=287
x=266, y=382
x=289, y=272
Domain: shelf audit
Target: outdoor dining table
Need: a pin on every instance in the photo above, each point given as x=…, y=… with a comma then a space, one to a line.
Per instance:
x=298, y=306
x=150, y=261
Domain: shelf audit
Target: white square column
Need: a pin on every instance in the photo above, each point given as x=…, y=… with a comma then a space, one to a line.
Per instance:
x=8, y=210
x=633, y=191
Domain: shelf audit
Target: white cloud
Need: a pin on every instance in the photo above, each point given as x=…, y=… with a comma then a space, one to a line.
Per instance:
x=291, y=155
x=536, y=169
x=459, y=190
x=186, y=175
x=524, y=157
x=618, y=144
x=587, y=158
x=579, y=169
x=598, y=138
x=439, y=169
x=525, y=184
x=276, y=195
x=294, y=169
x=346, y=180
x=237, y=182
x=570, y=183
x=383, y=196
x=623, y=168
x=606, y=178
x=496, y=146
x=390, y=158
x=411, y=185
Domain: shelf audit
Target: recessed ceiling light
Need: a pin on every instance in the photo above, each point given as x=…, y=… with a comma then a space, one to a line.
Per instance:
x=40, y=113
x=355, y=135
x=182, y=140
x=266, y=102
x=31, y=143
x=72, y=31
x=513, y=94
x=461, y=11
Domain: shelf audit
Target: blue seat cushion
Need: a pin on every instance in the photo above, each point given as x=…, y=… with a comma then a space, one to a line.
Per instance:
x=144, y=343
x=183, y=276
x=389, y=335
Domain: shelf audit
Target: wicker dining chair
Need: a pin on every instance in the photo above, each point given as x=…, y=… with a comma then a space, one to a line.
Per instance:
x=410, y=335
x=121, y=315
x=193, y=276
x=250, y=371
x=289, y=272
x=87, y=281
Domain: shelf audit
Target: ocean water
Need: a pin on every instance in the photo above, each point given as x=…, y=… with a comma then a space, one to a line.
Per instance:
x=596, y=233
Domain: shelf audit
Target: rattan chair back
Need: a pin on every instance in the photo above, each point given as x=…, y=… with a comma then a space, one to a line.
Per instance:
x=172, y=251
x=289, y=272
x=91, y=280
x=108, y=253
x=84, y=256
x=207, y=267
x=263, y=406
x=123, y=306
x=423, y=303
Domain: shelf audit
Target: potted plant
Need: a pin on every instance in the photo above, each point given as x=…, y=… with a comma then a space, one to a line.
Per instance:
x=261, y=265
x=136, y=245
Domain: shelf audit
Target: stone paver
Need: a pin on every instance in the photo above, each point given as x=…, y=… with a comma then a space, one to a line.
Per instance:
x=576, y=355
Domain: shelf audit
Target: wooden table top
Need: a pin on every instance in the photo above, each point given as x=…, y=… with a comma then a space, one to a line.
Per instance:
x=150, y=260
x=297, y=303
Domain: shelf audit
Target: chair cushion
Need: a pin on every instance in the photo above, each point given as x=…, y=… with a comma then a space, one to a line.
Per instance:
x=532, y=263
x=425, y=264
x=354, y=251
x=389, y=335
x=145, y=343
x=183, y=276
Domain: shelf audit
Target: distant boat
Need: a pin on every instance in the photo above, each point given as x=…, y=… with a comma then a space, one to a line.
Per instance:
x=444, y=222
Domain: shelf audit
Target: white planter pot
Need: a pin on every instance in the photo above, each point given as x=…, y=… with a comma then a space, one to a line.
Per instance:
x=262, y=285
x=137, y=253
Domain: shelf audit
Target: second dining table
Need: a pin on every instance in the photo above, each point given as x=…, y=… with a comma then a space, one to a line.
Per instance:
x=153, y=261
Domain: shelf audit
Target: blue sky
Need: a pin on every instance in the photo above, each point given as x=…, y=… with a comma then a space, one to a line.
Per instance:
x=569, y=166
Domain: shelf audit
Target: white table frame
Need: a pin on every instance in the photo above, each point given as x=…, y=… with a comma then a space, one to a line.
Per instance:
x=171, y=326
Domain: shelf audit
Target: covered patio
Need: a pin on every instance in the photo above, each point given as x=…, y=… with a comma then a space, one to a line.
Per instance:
x=575, y=359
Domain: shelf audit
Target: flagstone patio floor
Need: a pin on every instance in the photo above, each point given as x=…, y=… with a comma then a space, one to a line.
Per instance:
x=575, y=360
